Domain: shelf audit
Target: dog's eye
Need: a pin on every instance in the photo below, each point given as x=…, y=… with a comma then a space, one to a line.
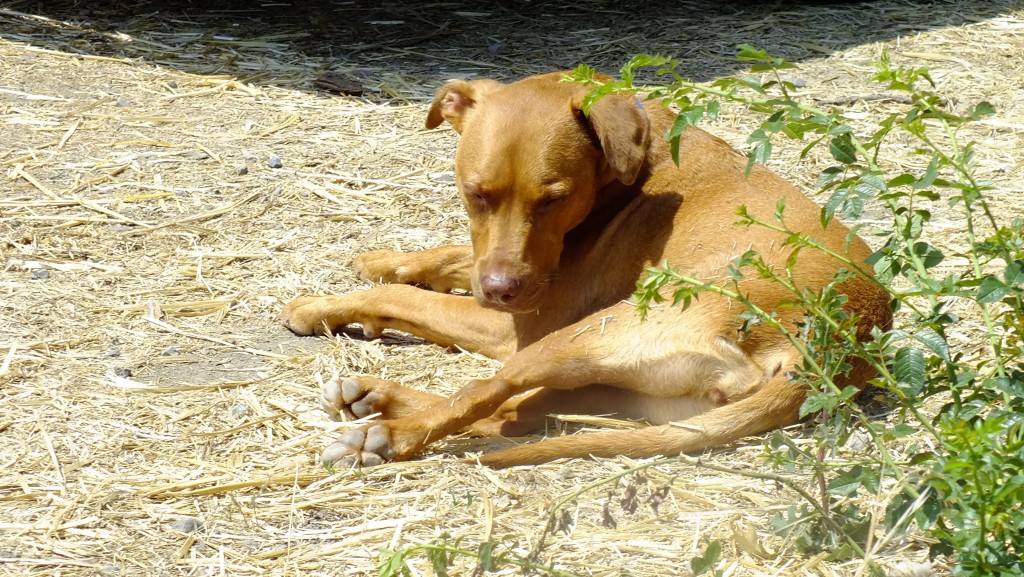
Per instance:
x=477, y=200
x=551, y=201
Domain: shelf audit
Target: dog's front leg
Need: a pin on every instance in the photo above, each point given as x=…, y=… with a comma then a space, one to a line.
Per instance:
x=443, y=268
x=447, y=320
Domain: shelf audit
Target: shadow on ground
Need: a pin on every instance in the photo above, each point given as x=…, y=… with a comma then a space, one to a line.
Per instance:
x=403, y=49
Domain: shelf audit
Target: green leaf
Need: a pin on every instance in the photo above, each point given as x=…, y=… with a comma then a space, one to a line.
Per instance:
x=693, y=115
x=748, y=53
x=842, y=149
x=392, y=563
x=1014, y=273
x=980, y=110
x=830, y=175
x=713, y=109
x=930, y=256
x=439, y=562
x=707, y=561
x=486, y=556
x=934, y=341
x=886, y=268
x=909, y=369
x=902, y=430
x=680, y=125
x=834, y=203
x=760, y=154
x=992, y=290
x=902, y=180
x=930, y=174
x=849, y=481
x=673, y=148
x=780, y=208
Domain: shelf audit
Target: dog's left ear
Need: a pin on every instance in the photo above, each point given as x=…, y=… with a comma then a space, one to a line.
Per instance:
x=624, y=132
x=453, y=100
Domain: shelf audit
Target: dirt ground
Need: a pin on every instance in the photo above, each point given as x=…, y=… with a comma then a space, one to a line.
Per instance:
x=174, y=175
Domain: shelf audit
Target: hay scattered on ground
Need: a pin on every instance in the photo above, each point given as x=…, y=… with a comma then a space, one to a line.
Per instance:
x=155, y=417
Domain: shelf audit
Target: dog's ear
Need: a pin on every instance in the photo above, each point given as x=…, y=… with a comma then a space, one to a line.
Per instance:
x=623, y=131
x=453, y=100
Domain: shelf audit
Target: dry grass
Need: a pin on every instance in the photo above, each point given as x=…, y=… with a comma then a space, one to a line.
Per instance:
x=144, y=379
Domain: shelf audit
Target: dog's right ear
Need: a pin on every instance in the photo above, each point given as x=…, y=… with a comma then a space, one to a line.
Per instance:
x=453, y=100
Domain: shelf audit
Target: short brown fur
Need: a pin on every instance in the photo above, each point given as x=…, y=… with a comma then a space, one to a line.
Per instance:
x=566, y=212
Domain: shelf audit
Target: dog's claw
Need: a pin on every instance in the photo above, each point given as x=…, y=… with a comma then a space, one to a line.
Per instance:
x=359, y=448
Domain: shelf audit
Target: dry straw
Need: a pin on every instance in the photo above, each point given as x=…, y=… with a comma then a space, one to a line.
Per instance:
x=156, y=419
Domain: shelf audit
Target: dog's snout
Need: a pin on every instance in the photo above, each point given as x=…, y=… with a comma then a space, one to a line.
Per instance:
x=500, y=287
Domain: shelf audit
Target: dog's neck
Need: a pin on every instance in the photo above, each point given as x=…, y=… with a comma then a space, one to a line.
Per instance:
x=611, y=200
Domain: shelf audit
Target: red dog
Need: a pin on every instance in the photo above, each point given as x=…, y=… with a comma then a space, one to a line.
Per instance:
x=566, y=213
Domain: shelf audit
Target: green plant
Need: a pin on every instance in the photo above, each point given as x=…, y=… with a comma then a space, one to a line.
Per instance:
x=489, y=556
x=959, y=470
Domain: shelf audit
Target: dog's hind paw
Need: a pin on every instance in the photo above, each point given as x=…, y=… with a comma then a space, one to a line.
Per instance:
x=360, y=448
x=362, y=397
x=350, y=399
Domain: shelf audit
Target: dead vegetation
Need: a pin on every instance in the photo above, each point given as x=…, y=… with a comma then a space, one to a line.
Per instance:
x=173, y=176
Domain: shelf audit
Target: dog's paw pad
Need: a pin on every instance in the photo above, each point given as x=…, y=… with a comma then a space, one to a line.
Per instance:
x=350, y=399
x=331, y=399
x=360, y=448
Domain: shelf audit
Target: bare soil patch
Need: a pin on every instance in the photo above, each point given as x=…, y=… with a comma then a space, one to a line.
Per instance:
x=173, y=176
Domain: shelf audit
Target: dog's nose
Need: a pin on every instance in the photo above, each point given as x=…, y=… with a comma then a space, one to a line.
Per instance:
x=500, y=287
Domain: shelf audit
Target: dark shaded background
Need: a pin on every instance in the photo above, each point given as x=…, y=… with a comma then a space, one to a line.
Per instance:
x=475, y=37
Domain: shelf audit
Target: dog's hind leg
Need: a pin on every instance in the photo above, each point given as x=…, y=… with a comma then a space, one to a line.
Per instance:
x=684, y=357
x=774, y=405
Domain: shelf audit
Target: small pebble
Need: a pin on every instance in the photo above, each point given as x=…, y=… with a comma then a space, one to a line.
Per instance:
x=242, y=170
x=113, y=352
x=275, y=161
x=110, y=570
x=171, y=351
x=122, y=102
x=240, y=410
x=799, y=82
x=172, y=84
x=123, y=372
x=187, y=525
x=40, y=273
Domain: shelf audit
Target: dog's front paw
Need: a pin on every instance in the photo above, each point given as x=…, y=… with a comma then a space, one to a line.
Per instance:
x=366, y=447
x=306, y=315
x=385, y=267
x=319, y=315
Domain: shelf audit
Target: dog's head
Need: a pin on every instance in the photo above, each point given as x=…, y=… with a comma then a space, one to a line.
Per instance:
x=529, y=168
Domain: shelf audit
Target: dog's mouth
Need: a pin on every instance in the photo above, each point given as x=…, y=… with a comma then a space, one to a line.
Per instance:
x=527, y=297
x=513, y=308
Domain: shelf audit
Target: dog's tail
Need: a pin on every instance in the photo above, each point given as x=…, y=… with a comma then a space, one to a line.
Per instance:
x=775, y=405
